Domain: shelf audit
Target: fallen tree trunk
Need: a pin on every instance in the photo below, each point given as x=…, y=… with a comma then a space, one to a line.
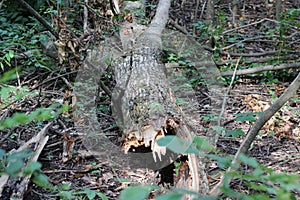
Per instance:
x=143, y=101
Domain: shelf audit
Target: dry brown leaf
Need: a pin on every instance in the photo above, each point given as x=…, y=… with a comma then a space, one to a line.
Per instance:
x=125, y=31
x=61, y=45
x=68, y=147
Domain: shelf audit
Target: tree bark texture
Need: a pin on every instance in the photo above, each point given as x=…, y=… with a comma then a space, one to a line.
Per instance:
x=143, y=101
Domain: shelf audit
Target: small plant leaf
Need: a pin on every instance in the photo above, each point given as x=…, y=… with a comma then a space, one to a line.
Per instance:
x=235, y=133
x=101, y=195
x=249, y=161
x=176, y=144
x=31, y=167
x=40, y=179
x=170, y=196
x=135, y=193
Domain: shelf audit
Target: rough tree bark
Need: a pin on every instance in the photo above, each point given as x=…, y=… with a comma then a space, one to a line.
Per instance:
x=143, y=101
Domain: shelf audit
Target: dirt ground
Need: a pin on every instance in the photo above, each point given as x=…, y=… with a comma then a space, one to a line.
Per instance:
x=277, y=146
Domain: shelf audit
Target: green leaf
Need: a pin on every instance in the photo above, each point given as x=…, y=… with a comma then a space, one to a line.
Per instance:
x=260, y=196
x=31, y=167
x=14, y=168
x=9, y=75
x=169, y=196
x=248, y=116
x=218, y=129
x=135, y=193
x=206, y=198
x=284, y=195
x=235, y=133
x=2, y=154
x=176, y=144
x=66, y=186
x=202, y=144
x=7, y=61
x=101, y=195
x=8, y=58
x=283, y=178
x=258, y=172
x=292, y=186
x=257, y=186
x=223, y=162
x=40, y=179
x=90, y=193
x=249, y=161
x=66, y=195
x=11, y=53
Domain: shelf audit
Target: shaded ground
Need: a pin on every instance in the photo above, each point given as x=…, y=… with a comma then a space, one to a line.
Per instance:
x=276, y=147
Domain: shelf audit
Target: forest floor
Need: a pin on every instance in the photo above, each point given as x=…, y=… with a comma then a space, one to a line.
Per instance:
x=277, y=146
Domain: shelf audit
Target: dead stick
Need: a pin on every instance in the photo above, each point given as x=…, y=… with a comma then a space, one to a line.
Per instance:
x=38, y=17
x=36, y=139
x=23, y=185
x=263, y=68
x=288, y=93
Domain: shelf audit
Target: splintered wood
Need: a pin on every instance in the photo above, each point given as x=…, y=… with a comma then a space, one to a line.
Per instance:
x=148, y=138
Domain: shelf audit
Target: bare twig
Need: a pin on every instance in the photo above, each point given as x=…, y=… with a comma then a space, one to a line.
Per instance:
x=249, y=60
x=243, y=149
x=161, y=17
x=263, y=68
x=254, y=23
x=114, y=6
x=244, y=40
x=85, y=16
x=227, y=93
x=202, y=10
x=66, y=171
x=1, y=3
x=38, y=17
x=259, y=54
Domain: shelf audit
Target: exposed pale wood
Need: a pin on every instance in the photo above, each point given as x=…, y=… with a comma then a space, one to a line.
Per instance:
x=143, y=100
x=39, y=140
x=23, y=183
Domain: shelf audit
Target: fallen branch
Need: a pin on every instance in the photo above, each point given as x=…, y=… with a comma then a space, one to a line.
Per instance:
x=258, y=54
x=255, y=23
x=266, y=115
x=263, y=68
x=248, y=60
x=38, y=17
x=226, y=97
x=222, y=52
x=40, y=140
